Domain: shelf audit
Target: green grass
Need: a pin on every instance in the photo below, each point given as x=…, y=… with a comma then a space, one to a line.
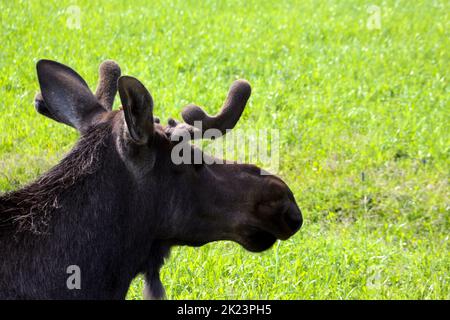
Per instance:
x=348, y=101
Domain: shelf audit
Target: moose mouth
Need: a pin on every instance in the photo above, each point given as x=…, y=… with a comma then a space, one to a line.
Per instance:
x=258, y=240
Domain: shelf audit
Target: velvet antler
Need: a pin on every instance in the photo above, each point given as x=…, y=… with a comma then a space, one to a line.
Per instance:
x=109, y=72
x=226, y=119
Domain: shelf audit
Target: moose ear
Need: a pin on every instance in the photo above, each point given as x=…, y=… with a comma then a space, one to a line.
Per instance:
x=42, y=107
x=65, y=96
x=137, y=105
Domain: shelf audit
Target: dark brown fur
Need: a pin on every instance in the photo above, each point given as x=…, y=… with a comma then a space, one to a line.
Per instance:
x=116, y=204
x=30, y=208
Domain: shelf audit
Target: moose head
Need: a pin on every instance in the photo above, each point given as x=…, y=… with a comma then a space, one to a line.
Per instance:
x=157, y=203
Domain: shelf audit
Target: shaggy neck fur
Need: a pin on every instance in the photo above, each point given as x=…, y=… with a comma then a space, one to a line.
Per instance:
x=79, y=213
x=31, y=208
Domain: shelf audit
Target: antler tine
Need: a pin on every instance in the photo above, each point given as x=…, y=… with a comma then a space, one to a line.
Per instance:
x=109, y=72
x=42, y=108
x=230, y=113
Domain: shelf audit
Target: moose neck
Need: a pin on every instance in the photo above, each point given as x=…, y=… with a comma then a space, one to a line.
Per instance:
x=86, y=218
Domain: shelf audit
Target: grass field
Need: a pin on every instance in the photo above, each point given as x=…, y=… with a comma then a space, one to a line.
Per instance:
x=363, y=115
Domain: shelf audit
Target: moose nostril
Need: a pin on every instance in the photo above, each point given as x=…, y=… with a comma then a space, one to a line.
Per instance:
x=293, y=217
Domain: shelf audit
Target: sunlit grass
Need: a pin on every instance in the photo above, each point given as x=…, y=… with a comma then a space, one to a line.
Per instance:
x=349, y=102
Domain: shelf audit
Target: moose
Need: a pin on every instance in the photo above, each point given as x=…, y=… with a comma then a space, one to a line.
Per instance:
x=116, y=204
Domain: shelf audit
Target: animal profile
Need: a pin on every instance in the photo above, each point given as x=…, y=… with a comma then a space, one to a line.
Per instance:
x=116, y=204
